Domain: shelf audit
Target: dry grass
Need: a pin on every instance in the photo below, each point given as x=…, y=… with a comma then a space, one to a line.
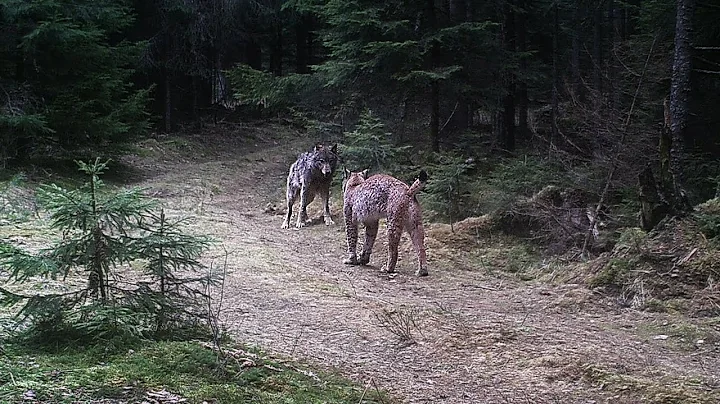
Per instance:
x=402, y=322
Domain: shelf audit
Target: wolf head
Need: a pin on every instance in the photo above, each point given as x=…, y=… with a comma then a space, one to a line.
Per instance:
x=325, y=159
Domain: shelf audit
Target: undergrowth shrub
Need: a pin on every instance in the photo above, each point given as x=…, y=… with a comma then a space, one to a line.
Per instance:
x=262, y=89
x=703, y=177
x=632, y=240
x=449, y=188
x=103, y=236
x=512, y=178
x=708, y=219
x=17, y=204
x=614, y=273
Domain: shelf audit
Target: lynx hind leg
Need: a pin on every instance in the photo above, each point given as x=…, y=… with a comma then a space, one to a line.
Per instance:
x=414, y=226
x=418, y=240
x=371, y=230
x=394, y=233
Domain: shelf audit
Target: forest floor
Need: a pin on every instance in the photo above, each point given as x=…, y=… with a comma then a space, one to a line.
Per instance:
x=470, y=332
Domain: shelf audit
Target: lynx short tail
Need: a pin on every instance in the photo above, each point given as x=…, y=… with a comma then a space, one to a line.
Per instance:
x=418, y=185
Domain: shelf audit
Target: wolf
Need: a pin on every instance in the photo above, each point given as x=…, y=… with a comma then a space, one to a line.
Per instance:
x=311, y=174
x=368, y=199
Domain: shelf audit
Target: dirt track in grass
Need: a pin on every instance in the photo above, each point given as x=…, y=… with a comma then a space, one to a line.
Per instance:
x=473, y=334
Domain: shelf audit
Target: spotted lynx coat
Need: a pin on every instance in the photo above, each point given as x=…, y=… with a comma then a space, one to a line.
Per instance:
x=367, y=200
x=311, y=174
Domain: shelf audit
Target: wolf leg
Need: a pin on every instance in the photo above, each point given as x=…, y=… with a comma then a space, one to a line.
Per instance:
x=325, y=196
x=305, y=199
x=291, y=195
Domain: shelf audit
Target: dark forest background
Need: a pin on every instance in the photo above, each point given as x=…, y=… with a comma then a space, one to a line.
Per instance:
x=609, y=95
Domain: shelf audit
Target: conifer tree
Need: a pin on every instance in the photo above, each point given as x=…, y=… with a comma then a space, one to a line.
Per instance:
x=393, y=49
x=68, y=75
x=102, y=233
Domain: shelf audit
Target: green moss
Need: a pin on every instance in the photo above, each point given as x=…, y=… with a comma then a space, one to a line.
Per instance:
x=186, y=369
x=613, y=273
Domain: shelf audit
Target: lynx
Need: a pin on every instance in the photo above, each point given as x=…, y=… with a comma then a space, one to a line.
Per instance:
x=367, y=200
x=311, y=174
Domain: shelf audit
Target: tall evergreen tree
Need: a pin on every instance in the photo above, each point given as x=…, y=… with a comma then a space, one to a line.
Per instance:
x=679, y=98
x=70, y=81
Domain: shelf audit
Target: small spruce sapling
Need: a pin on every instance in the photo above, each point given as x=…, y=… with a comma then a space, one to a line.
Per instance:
x=370, y=146
x=448, y=185
x=102, y=233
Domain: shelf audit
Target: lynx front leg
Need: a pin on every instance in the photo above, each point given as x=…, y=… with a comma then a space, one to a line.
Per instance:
x=371, y=230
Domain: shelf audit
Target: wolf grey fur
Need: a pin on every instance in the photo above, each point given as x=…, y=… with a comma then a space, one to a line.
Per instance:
x=367, y=200
x=310, y=175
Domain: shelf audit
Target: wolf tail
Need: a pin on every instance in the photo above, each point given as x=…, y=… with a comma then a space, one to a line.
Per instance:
x=419, y=184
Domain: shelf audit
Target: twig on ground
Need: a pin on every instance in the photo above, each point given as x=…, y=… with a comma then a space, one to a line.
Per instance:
x=352, y=285
x=362, y=397
x=377, y=390
x=214, y=315
x=297, y=339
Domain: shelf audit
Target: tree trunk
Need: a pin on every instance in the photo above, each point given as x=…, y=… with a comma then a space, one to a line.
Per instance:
x=613, y=26
x=555, y=75
x=597, y=52
x=303, y=42
x=196, y=88
x=168, y=101
x=577, y=87
x=665, y=146
x=679, y=99
x=458, y=10
x=253, y=54
x=276, y=54
x=435, y=85
x=435, y=116
x=653, y=205
x=522, y=93
x=507, y=128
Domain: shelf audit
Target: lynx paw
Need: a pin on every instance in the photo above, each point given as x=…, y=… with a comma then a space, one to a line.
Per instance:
x=350, y=261
x=328, y=221
x=421, y=272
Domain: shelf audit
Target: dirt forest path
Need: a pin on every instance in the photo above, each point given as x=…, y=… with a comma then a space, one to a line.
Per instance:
x=475, y=335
